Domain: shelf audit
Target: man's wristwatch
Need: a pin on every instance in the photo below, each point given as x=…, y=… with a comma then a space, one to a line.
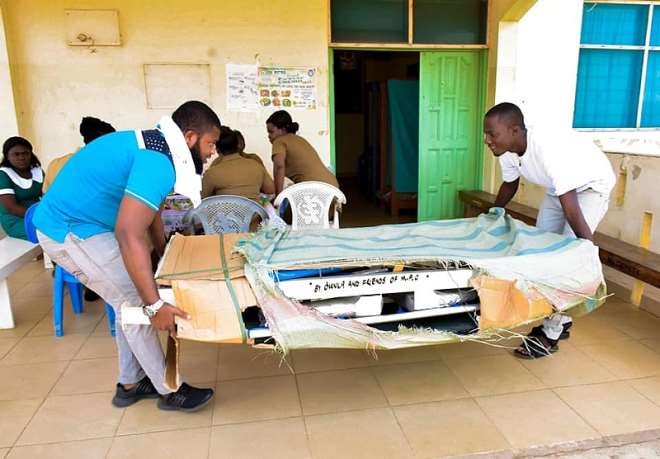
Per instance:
x=150, y=310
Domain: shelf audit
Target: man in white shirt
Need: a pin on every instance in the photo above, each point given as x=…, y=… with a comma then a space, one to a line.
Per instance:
x=578, y=179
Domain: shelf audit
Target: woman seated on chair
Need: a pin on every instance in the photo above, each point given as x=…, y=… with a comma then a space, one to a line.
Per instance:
x=241, y=149
x=21, y=180
x=293, y=156
x=235, y=174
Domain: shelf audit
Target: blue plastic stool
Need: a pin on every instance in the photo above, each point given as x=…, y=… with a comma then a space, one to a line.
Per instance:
x=62, y=278
x=111, y=318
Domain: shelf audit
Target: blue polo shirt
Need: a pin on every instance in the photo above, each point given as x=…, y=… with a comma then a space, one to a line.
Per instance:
x=84, y=199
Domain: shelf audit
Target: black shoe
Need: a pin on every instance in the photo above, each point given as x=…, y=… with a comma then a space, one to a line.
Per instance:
x=535, y=347
x=143, y=389
x=187, y=398
x=565, y=333
x=90, y=295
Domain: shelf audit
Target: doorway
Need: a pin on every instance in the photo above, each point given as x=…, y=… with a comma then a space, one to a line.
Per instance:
x=407, y=132
x=376, y=134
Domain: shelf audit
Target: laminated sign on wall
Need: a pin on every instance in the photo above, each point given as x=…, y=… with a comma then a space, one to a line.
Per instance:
x=250, y=88
x=287, y=87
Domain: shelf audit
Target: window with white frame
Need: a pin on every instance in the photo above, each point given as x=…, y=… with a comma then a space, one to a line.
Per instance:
x=618, y=84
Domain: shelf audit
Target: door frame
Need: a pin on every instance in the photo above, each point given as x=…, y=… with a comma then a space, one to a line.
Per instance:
x=483, y=86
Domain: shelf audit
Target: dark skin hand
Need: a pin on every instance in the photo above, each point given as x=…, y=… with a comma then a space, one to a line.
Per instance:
x=569, y=204
x=506, y=193
x=8, y=201
x=574, y=217
x=279, y=171
x=279, y=161
x=133, y=220
x=157, y=233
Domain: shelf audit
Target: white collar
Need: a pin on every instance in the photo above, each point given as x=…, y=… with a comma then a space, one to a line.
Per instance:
x=25, y=183
x=188, y=183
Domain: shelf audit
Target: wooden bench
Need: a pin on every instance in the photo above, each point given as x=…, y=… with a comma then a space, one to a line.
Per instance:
x=14, y=253
x=634, y=261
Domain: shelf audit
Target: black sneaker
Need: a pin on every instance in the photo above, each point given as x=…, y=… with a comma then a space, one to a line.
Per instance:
x=143, y=389
x=187, y=398
x=565, y=333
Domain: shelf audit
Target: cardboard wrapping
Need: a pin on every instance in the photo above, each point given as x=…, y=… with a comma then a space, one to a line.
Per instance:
x=199, y=258
x=503, y=305
x=214, y=317
x=172, y=378
x=193, y=267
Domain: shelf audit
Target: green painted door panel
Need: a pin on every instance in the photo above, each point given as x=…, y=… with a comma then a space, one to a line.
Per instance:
x=450, y=146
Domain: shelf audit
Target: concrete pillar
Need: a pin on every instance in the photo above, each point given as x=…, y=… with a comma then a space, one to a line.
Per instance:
x=507, y=58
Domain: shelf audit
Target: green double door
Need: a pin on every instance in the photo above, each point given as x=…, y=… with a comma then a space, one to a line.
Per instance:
x=451, y=91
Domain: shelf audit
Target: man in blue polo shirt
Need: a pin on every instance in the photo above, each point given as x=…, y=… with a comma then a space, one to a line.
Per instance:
x=92, y=222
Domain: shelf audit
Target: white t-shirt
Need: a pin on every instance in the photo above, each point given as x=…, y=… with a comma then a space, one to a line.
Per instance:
x=560, y=162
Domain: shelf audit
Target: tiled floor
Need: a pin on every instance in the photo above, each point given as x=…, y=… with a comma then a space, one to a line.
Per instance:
x=603, y=384
x=362, y=211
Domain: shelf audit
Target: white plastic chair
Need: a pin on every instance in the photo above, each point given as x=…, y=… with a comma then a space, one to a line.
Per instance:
x=225, y=214
x=310, y=205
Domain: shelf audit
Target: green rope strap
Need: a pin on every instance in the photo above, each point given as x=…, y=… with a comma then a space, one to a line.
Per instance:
x=230, y=287
x=198, y=271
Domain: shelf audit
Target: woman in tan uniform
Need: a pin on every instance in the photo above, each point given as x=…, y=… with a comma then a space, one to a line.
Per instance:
x=293, y=156
x=241, y=148
x=235, y=174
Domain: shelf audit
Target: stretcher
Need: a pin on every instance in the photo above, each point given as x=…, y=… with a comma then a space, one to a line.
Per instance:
x=382, y=287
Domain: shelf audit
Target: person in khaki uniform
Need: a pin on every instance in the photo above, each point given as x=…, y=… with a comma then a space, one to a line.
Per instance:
x=241, y=150
x=90, y=129
x=293, y=156
x=235, y=174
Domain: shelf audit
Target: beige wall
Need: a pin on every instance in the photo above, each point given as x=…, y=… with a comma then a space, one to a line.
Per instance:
x=56, y=84
x=8, y=121
x=499, y=10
